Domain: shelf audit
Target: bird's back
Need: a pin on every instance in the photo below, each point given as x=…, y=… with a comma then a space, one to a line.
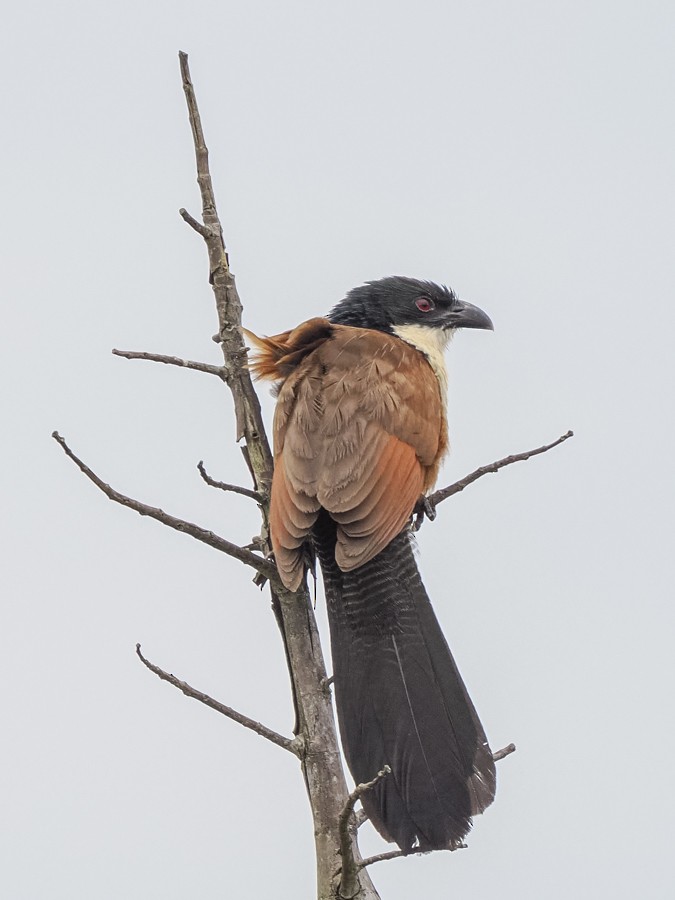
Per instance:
x=359, y=431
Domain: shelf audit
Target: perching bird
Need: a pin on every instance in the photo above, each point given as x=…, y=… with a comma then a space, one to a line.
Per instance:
x=359, y=434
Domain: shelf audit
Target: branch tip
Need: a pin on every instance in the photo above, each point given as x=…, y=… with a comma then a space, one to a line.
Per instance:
x=437, y=497
x=224, y=486
x=505, y=751
x=195, y=224
x=220, y=371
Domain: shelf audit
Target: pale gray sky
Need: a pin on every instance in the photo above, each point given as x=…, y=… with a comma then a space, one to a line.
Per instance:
x=523, y=153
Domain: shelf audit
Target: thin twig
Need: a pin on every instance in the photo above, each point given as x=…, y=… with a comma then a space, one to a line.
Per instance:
x=505, y=751
x=381, y=857
x=224, y=486
x=293, y=746
x=443, y=494
x=349, y=881
x=205, y=232
x=220, y=371
x=395, y=854
x=211, y=227
x=263, y=566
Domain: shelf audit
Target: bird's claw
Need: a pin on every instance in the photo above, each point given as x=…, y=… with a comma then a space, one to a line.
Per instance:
x=423, y=508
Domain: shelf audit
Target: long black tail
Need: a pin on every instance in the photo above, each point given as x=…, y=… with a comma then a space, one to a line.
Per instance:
x=401, y=700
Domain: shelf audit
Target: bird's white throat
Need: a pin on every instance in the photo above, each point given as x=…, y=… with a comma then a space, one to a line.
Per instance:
x=433, y=343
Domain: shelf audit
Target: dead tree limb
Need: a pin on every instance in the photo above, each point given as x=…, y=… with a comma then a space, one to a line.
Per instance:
x=293, y=745
x=349, y=869
x=383, y=857
x=262, y=566
x=396, y=854
x=249, y=422
x=224, y=486
x=443, y=494
x=173, y=361
x=505, y=751
x=196, y=225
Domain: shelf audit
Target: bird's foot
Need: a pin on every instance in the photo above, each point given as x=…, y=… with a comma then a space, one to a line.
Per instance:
x=423, y=508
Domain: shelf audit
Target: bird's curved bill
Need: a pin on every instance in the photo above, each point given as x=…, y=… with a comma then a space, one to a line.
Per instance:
x=466, y=315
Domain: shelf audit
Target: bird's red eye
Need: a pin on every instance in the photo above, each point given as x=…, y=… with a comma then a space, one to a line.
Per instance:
x=424, y=304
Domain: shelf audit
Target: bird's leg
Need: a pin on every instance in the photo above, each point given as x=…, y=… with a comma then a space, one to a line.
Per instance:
x=309, y=559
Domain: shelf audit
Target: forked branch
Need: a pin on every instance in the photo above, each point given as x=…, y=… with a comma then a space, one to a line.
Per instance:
x=228, y=305
x=262, y=566
x=349, y=871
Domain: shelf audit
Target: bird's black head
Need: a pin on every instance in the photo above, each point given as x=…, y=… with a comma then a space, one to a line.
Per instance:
x=397, y=301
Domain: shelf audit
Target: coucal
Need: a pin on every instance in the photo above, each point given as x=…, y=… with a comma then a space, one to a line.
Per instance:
x=360, y=431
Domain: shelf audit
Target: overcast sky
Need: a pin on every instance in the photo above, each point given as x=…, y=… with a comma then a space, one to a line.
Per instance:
x=521, y=152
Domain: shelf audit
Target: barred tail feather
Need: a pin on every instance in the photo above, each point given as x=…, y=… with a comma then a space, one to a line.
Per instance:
x=401, y=700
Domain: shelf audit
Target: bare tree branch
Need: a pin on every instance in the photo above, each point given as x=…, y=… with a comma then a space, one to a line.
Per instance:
x=349, y=881
x=443, y=494
x=505, y=751
x=205, y=232
x=395, y=854
x=262, y=566
x=224, y=486
x=220, y=371
x=228, y=305
x=382, y=857
x=292, y=745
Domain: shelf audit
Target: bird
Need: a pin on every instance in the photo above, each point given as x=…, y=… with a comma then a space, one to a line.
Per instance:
x=360, y=431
